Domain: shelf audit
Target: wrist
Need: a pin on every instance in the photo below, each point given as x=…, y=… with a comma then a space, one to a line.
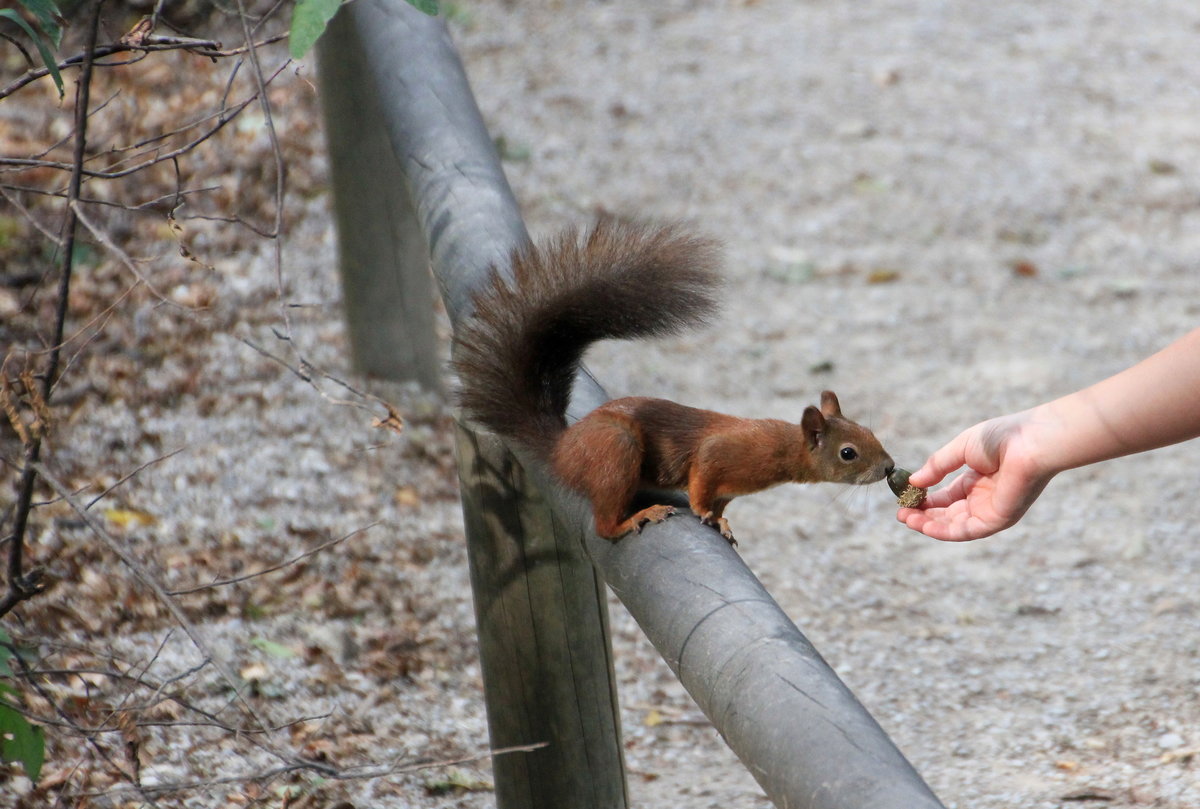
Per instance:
x=1068, y=433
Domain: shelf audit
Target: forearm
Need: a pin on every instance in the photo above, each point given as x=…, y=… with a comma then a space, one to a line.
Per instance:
x=1150, y=405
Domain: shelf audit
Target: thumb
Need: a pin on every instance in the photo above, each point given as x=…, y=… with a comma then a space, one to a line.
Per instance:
x=941, y=463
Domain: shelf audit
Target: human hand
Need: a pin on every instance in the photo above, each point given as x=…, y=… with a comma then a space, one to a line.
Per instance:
x=1002, y=480
x=1011, y=459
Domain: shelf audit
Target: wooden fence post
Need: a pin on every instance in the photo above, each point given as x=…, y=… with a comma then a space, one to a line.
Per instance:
x=542, y=621
x=382, y=256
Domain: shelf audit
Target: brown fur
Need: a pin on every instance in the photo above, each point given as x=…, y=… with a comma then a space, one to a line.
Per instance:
x=519, y=354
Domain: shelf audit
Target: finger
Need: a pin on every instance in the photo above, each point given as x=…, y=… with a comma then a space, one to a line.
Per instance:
x=954, y=524
x=941, y=463
x=923, y=523
x=959, y=489
x=943, y=523
x=940, y=528
x=943, y=497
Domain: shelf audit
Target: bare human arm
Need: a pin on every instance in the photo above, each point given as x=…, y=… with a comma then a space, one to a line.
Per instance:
x=1010, y=459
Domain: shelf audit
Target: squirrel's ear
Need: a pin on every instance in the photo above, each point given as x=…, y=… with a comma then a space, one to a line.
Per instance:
x=813, y=424
x=829, y=405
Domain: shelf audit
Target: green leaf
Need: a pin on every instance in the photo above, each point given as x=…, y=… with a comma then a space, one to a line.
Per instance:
x=272, y=648
x=21, y=741
x=456, y=781
x=6, y=653
x=47, y=56
x=311, y=17
x=308, y=23
x=47, y=18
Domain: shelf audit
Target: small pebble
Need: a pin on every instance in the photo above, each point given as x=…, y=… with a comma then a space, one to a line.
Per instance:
x=1169, y=741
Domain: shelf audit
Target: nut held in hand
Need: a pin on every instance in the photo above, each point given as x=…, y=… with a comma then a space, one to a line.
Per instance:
x=908, y=496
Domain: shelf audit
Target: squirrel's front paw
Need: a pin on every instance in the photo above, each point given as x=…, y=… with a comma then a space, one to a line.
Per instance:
x=722, y=525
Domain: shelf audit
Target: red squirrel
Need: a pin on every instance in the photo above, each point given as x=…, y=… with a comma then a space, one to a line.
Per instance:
x=518, y=354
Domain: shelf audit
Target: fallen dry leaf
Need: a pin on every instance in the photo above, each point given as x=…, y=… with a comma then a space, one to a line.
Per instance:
x=129, y=517
x=1089, y=794
x=883, y=276
x=393, y=421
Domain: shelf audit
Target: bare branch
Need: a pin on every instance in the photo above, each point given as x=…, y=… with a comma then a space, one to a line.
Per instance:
x=143, y=575
x=121, y=255
x=277, y=156
x=203, y=47
x=113, y=175
x=130, y=475
x=392, y=421
x=125, y=206
x=107, y=714
x=26, y=675
x=288, y=563
x=42, y=229
x=364, y=772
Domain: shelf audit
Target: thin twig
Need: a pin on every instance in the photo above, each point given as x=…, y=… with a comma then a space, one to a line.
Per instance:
x=26, y=675
x=225, y=116
x=130, y=475
x=277, y=156
x=203, y=47
x=95, y=730
x=114, y=175
x=143, y=575
x=105, y=315
x=124, y=206
x=70, y=134
x=392, y=421
x=156, y=698
x=306, y=376
x=38, y=226
x=364, y=772
x=280, y=566
x=121, y=255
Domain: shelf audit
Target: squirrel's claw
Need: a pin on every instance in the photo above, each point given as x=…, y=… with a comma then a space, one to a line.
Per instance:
x=722, y=525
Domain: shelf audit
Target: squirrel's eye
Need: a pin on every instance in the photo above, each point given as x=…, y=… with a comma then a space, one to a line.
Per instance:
x=849, y=453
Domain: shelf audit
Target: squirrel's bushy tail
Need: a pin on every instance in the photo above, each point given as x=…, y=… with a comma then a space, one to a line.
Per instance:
x=517, y=355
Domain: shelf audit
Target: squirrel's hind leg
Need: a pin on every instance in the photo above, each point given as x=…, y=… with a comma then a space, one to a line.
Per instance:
x=601, y=456
x=638, y=520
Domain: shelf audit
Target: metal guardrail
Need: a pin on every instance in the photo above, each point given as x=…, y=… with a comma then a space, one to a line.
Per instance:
x=541, y=606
